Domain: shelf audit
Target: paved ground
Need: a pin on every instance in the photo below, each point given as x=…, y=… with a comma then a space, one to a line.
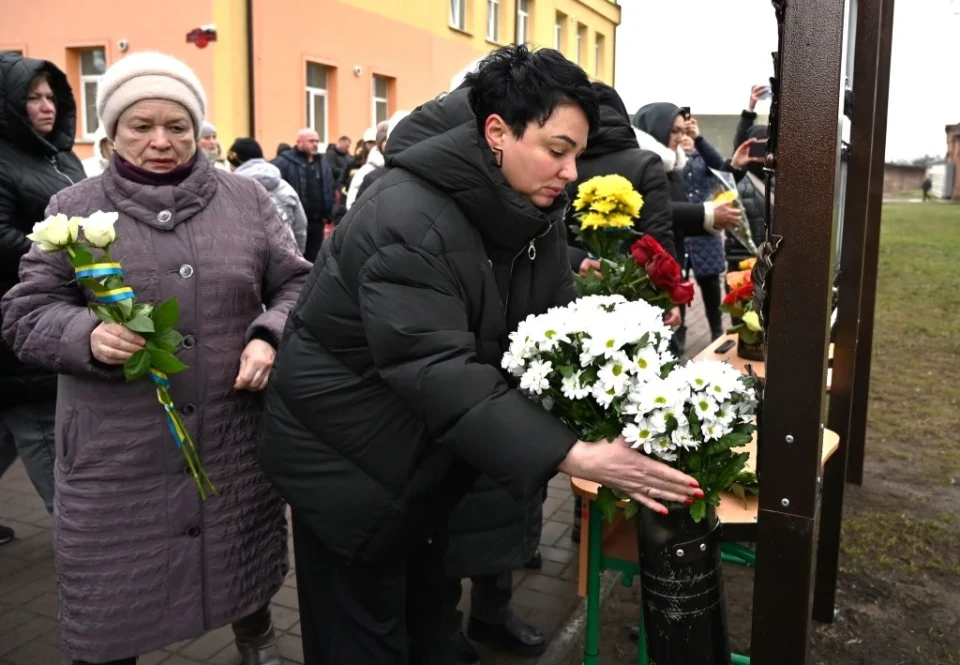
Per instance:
x=28, y=594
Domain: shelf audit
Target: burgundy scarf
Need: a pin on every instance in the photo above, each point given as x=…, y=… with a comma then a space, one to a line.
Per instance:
x=135, y=174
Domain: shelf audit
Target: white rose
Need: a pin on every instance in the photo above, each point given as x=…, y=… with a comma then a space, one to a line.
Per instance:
x=54, y=233
x=98, y=228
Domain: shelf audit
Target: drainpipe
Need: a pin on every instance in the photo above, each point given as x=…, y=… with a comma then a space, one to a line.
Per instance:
x=251, y=78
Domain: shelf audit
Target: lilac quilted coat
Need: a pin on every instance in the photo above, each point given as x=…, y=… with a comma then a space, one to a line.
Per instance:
x=142, y=562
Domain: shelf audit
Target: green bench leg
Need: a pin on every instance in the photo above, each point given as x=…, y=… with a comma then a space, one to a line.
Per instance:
x=737, y=659
x=591, y=646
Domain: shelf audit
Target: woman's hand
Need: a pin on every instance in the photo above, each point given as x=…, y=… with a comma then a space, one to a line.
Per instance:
x=589, y=265
x=741, y=158
x=672, y=318
x=756, y=92
x=642, y=478
x=255, y=364
x=113, y=344
x=692, y=128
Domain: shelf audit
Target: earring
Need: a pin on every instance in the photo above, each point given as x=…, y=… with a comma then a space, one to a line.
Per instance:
x=498, y=157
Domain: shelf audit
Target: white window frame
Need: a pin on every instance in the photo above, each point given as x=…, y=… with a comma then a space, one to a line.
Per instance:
x=558, y=34
x=385, y=100
x=523, y=22
x=313, y=93
x=493, y=21
x=597, y=54
x=580, y=32
x=84, y=80
x=458, y=14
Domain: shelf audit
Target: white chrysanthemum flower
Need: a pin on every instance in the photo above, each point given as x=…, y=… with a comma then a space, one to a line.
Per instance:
x=664, y=448
x=712, y=430
x=683, y=438
x=514, y=365
x=638, y=433
x=536, y=379
x=657, y=394
x=573, y=387
x=604, y=396
x=615, y=374
x=658, y=421
x=648, y=363
x=705, y=408
x=726, y=414
x=604, y=341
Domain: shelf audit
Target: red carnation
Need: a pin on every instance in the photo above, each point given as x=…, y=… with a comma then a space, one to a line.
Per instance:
x=663, y=271
x=644, y=249
x=682, y=293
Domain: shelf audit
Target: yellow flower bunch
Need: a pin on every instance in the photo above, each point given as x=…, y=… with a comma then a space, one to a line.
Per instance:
x=747, y=264
x=725, y=197
x=607, y=201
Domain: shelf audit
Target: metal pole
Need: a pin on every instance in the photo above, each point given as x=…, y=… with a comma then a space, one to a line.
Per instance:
x=791, y=432
x=871, y=253
x=861, y=165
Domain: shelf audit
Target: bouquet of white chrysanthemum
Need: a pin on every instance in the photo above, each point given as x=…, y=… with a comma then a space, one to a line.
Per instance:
x=693, y=419
x=602, y=366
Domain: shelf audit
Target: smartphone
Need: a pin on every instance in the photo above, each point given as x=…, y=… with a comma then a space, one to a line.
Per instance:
x=758, y=148
x=726, y=346
x=767, y=93
x=685, y=112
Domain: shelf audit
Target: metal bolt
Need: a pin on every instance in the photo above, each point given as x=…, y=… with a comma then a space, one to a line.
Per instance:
x=680, y=553
x=789, y=438
x=703, y=547
x=785, y=503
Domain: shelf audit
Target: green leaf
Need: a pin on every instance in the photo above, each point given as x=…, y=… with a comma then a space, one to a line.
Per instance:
x=740, y=492
x=698, y=510
x=113, y=282
x=165, y=316
x=146, y=309
x=566, y=371
x=104, y=313
x=734, y=439
x=169, y=341
x=631, y=510
x=166, y=362
x=140, y=324
x=91, y=283
x=607, y=503
x=126, y=308
x=81, y=256
x=137, y=365
x=730, y=471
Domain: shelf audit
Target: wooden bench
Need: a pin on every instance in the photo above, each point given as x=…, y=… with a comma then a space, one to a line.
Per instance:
x=759, y=367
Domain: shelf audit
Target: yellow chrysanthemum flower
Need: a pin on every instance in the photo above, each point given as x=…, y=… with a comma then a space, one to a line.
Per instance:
x=592, y=220
x=619, y=221
x=747, y=264
x=603, y=206
x=726, y=197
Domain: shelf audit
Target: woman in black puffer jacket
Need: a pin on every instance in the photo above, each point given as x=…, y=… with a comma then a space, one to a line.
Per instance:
x=38, y=120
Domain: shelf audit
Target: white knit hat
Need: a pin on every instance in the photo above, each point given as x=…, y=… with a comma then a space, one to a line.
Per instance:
x=147, y=75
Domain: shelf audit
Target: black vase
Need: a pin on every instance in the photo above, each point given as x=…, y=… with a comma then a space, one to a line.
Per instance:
x=684, y=608
x=749, y=351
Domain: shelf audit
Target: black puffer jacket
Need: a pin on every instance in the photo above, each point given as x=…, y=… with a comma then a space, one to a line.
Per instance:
x=32, y=169
x=613, y=148
x=387, y=399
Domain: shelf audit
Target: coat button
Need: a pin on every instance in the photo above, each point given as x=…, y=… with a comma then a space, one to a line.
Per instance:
x=186, y=271
x=189, y=342
x=164, y=216
x=193, y=531
x=189, y=409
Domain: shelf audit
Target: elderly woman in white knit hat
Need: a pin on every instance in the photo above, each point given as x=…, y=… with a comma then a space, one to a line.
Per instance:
x=142, y=561
x=209, y=145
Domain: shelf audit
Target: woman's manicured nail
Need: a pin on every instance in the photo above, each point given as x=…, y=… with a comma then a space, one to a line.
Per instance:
x=695, y=485
x=689, y=502
x=699, y=494
x=664, y=512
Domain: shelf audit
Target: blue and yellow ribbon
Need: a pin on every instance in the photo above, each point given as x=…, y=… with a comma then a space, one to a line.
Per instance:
x=98, y=270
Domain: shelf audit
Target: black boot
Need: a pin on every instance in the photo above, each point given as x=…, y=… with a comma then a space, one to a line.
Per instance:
x=535, y=562
x=512, y=635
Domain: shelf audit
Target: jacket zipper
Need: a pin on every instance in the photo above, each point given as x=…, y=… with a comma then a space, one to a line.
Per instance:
x=531, y=251
x=53, y=163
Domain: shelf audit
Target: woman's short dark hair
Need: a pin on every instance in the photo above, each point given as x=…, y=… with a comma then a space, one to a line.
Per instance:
x=42, y=77
x=521, y=86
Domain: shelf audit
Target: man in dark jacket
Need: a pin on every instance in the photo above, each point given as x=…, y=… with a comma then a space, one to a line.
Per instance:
x=38, y=121
x=387, y=398
x=339, y=157
x=312, y=177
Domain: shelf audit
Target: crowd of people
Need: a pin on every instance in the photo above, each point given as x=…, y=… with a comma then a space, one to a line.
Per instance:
x=343, y=319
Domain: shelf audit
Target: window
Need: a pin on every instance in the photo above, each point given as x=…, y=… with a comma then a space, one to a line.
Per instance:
x=381, y=105
x=15, y=51
x=317, y=99
x=598, y=56
x=558, y=32
x=93, y=63
x=458, y=14
x=581, y=39
x=493, y=20
x=523, y=21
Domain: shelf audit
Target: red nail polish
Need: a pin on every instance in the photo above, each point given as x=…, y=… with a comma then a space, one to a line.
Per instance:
x=695, y=485
x=664, y=512
x=689, y=502
x=699, y=494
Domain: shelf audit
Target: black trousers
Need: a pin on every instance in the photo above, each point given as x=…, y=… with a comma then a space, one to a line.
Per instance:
x=710, y=292
x=314, y=240
x=384, y=613
x=490, y=597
